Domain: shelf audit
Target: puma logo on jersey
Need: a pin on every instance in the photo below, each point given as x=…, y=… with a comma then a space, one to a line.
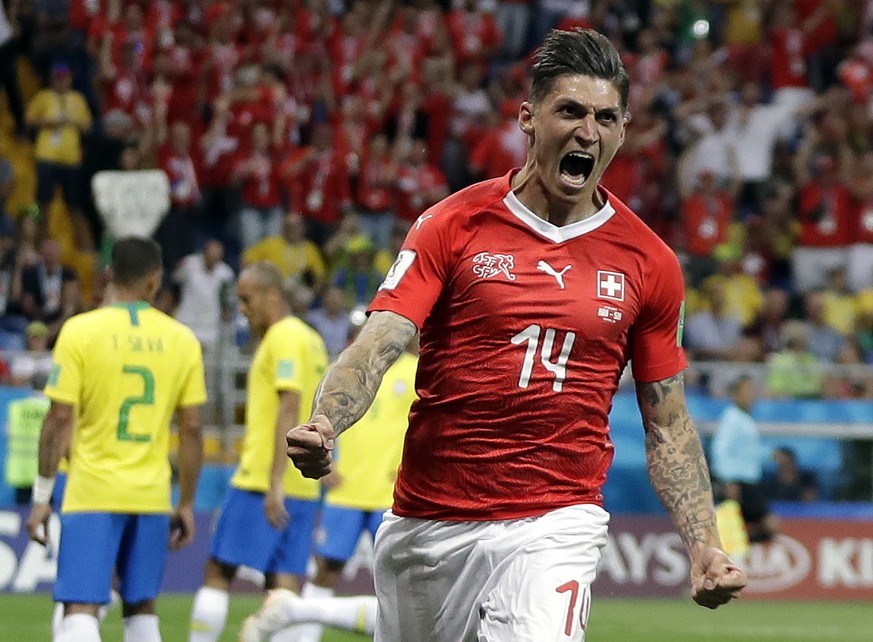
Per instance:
x=421, y=219
x=548, y=269
x=486, y=265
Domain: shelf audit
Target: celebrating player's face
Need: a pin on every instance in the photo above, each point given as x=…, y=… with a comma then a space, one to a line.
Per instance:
x=576, y=131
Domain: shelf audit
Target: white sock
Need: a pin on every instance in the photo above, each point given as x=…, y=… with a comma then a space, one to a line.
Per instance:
x=79, y=627
x=356, y=613
x=286, y=635
x=310, y=632
x=58, y=613
x=57, y=619
x=208, y=615
x=142, y=628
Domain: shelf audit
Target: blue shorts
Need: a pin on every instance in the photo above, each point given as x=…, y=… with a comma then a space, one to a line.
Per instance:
x=93, y=544
x=58, y=492
x=340, y=528
x=244, y=537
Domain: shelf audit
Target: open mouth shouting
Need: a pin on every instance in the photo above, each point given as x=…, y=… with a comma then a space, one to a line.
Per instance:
x=575, y=168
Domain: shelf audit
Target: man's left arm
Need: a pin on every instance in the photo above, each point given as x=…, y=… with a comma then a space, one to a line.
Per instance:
x=679, y=474
x=190, y=460
x=274, y=500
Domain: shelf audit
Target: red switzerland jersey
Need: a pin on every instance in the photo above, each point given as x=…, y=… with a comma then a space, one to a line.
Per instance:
x=525, y=331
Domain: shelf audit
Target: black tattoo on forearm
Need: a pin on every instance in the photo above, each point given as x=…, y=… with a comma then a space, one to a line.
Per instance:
x=350, y=385
x=676, y=463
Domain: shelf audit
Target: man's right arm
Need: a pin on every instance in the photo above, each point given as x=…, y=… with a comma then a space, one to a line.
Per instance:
x=350, y=385
x=347, y=391
x=57, y=429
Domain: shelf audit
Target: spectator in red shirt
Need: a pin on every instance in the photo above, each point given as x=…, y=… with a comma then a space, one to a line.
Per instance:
x=476, y=38
x=856, y=72
x=794, y=38
x=348, y=44
x=181, y=230
x=124, y=85
x=256, y=173
x=376, y=193
x=706, y=214
x=222, y=55
x=419, y=183
x=503, y=147
x=318, y=183
x=353, y=134
x=181, y=64
x=219, y=153
x=826, y=212
x=470, y=109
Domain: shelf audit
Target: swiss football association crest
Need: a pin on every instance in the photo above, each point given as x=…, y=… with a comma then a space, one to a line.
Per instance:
x=487, y=265
x=610, y=285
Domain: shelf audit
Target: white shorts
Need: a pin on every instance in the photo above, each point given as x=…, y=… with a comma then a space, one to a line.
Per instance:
x=521, y=580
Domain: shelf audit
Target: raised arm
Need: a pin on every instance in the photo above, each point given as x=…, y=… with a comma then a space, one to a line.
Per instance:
x=347, y=390
x=680, y=477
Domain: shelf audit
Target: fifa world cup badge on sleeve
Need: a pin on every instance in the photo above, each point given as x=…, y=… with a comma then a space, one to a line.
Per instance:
x=402, y=263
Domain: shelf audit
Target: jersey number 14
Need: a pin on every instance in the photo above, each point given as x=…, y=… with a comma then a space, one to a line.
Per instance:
x=531, y=335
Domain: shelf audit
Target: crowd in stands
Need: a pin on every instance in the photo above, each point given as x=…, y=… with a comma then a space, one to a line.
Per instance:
x=313, y=133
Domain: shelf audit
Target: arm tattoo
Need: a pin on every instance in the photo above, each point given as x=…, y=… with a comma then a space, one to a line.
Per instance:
x=676, y=463
x=350, y=385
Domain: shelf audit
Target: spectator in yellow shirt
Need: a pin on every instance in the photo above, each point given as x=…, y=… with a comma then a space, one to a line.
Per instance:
x=60, y=116
x=295, y=255
x=743, y=296
x=840, y=305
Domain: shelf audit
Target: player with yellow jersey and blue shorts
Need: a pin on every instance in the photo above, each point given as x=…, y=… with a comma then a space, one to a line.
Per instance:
x=361, y=489
x=120, y=373
x=269, y=512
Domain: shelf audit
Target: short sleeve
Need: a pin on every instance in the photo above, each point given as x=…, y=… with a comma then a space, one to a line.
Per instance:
x=288, y=357
x=193, y=391
x=656, y=337
x=65, y=379
x=420, y=271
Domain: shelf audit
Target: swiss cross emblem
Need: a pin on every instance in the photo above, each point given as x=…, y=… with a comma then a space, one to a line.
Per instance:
x=610, y=285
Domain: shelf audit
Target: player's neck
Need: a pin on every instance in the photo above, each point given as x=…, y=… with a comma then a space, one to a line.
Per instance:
x=277, y=315
x=530, y=191
x=127, y=295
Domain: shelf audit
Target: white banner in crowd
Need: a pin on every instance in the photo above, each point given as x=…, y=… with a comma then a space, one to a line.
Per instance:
x=131, y=203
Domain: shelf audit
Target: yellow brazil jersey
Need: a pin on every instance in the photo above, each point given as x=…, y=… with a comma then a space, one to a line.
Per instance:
x=368, y=454
x=292, y=357
x=61, y=144
x=126, y=368
x=291, y=260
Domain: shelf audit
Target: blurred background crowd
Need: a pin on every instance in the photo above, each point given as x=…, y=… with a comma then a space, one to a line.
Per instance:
x=312, y=133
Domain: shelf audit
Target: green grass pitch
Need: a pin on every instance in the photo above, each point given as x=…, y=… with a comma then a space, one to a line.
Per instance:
x=25, y=618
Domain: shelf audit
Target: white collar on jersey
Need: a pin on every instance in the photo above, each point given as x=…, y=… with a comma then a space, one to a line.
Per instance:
x=555, y=233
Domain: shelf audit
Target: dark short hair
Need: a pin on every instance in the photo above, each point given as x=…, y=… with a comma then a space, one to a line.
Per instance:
x=134, y=258
x=581, y=51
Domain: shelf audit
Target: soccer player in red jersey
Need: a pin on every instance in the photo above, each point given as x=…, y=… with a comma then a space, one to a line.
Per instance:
x=531, y=292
